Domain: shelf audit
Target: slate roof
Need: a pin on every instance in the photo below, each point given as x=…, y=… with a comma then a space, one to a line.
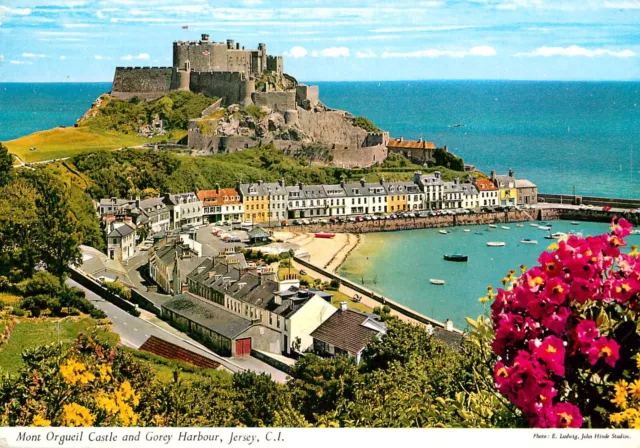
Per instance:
x=182, y=198
x=258, y=232
x=274, y=188
x=402, y=188
x=525, y=183
x=345, y=330
x=334, y=191
x=121, y=231
x=431, y=179
x=452, y=339
x=469, y=189
x=253, y=189
x=116, y=202
x=208, y=315
x=410, y=144
x=504, y=181
x=168, y=350
x=368, y=189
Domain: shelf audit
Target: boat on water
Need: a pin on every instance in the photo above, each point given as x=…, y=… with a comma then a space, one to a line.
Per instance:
x=456, y=125
x=456, y=257
x=575, y=223
x=519, y=225
x=467, y=230
x=325, y=235
x=493, y=226
x=578, y=234
x=435, y=281
x=506, y=227
x=635, y=232
x=496, y=244
x=444, y=232
x=544, y=227
x=528, y=241
x=556, y=236
x=478, y=233
x=534, y=224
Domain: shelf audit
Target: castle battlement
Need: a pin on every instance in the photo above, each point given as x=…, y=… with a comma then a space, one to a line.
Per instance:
x=144, y=68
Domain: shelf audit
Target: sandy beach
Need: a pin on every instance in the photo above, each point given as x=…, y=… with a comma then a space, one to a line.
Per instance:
x=323, y=252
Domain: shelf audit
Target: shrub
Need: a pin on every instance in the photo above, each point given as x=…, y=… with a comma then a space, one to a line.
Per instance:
x=566, y=332
x=366, y=124
x=334, y=284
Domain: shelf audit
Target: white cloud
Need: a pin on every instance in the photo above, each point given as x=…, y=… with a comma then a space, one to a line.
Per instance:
x=100, y=57
x=251, y=2
x=482, y=50
x=622, y=4
x=100, y=15
x=62, y=58
x=433, y=53
x=141, y=56
x=367, y=54
x=32, y=55
x=409, y=29
x=5, y=10
x=332, y=52
x=20, y=62
x=77, y=25
x=1, y=58
x=139, y=12
x=576, y=51
x=296, y=52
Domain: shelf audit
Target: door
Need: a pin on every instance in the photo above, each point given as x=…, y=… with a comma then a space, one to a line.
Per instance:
x=243, y=347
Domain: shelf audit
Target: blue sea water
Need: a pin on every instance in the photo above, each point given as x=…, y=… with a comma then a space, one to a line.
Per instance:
x=399, y=265
x=560, y=135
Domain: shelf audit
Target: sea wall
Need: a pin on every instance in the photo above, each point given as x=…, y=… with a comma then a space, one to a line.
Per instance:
x=144, y=82
x=589, y=200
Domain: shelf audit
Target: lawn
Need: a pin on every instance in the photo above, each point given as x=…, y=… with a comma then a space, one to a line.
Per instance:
x=66, y=142
x=337, y=295
x=31, y=333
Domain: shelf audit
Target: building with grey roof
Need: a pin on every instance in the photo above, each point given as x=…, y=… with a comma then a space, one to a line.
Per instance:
x=471, y=196
x=113, y=205
x=452, y=194
x=365, y=198
x=278, y=200
x=507, y=186
x=527, y=192
x=336, y=200
x=170, y=261
x=151, y=213
x=433, y=187
x=121, y=240
x=186, y=209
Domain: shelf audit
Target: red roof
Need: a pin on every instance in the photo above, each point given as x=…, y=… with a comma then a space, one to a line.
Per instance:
x=168, y=350
x=410, y=144
x=486, y=185
x=224, y=196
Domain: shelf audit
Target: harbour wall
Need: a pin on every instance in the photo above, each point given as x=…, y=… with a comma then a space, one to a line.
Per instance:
x=589, y=200
x=431, y=222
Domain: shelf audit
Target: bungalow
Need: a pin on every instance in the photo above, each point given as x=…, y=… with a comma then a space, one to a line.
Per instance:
x=346, y=332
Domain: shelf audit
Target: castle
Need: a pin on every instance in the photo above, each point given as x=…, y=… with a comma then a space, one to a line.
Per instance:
x=217, y=69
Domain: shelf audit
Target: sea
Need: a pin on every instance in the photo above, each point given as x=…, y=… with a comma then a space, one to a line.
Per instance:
x=567, y=137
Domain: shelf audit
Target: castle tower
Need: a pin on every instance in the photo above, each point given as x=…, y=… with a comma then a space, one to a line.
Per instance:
x=248, y=88
x=263, y=57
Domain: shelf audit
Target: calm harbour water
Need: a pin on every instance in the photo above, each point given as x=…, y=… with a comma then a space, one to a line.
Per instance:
x=402, y=263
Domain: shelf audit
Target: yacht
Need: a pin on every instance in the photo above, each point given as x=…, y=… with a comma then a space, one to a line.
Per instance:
x=467, y=230
x=435, y=281
x=544, y=227
x=506, y=227
x=635, y=232
x=534, y=224
x=555, y=236
x=496, y=244
x=493, y=226
x=444, y=232
x=519, y=225
x=456, y=257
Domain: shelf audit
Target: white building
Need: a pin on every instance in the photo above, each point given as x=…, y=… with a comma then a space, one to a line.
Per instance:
x=121, y=241
x=471, y=196
x=433, y=188
x=365, y=198
x=452, y=195
x=185, y=208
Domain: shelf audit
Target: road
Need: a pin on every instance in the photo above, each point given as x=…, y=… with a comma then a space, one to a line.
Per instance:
x=134, y=331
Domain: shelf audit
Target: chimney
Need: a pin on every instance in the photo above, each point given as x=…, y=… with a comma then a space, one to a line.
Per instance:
x=137, y=201
x=416, y=176
x=381, y=180
x=493, y=176
x=281, y=182
x=342, y=180
x=448, y=325
x=446, y=149
x=237, y=45
x=217, y=188
x=420, y=139
x=343, y=306
x=238, y=185
x=259, y=182
x=167, y=196
x=362, y=182
x=300, y=185
x=510, y=172
x=436, y=174
x=457, y=181
x=401, y=139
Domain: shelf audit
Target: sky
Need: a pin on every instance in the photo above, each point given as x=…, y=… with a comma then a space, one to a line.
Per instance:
x=330, y=40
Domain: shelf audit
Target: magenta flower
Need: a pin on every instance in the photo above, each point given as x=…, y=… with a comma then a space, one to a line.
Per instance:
x=557, y=321
x=556, y=290
x=606, y=349
x=564, y=415
x=551, y=351
x=620, y=227
x=550, y=263
x=587, y=332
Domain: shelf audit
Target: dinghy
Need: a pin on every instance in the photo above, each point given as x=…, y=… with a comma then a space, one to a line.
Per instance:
x=444, y=232
x=436, y=281
x=496, y=243
x=528, y=241
x=506, y=227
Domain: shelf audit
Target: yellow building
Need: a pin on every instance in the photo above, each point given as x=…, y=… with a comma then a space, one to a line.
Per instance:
x=255, y=199
x=507, y=187
x=397, y=199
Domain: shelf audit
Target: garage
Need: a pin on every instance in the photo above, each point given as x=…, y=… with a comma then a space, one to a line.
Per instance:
x=243, y=347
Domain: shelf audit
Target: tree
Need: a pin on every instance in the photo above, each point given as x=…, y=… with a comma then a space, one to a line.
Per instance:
x=6, y=165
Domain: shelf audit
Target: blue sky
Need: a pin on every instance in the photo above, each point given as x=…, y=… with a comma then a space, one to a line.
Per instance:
x=330, y=40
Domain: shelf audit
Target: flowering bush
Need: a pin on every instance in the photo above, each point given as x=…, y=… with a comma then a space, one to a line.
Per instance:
x=566, y=332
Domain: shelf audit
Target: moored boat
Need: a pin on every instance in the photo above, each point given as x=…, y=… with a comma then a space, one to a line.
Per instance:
x=555, y=236
x=493, y=226
x=544, y=227
x=575, y=223
x=456, y=257
x=496, y=243
x=533, y=224
x=325, y=235
x=435, y=281
x=467, y=230
x=519, y=225
x=635, y=232
x=444, y=232
x=478, y=233
x=528, y=241
x=506, y=227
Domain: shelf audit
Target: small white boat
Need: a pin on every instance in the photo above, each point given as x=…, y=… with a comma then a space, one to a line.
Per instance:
x=496, y=243
x=435, y=281
x=528, y=241
x=575, y=223
x=506, y=227
x=519, y=225
x=556, y=236
x=467, y=230
x=544, y=227
x=444, y=232
x=493, y=226
x=578, y=234
x=533, y=224
x=635, y=232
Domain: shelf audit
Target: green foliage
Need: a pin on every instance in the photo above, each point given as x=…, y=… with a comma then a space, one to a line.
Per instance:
x=448, y=160
x=366, y=124
x=177, y=108
x=118, y=289
x=6, y=165
x=334, y=285
x=255, y=111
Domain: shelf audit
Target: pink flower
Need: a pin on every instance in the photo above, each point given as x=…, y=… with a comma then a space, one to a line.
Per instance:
x=551, y=351
x=564, y=415
x=557, y=321
x=534, y=279
x=550, y=263
x=581, y=290
x=620, y=227
x=587, y=332
x=606, y=349
x=556, y=290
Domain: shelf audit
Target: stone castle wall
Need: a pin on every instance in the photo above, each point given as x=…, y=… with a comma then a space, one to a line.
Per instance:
x=144, y=82
x=361, y=157
x=205, y=56
x=230, y=86
x=331, y=128
x=307, y=96
x=276, y=101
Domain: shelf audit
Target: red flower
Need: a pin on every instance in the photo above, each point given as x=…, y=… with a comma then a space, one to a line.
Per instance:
x=551, y=351
x=587, y=332
x=556, y=290
x=564, y=415
x=550, y=263
x=556, y=322
x=604, y=348
x=582, y=290
x=620, y=227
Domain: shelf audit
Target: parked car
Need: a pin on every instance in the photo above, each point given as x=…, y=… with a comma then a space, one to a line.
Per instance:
x=606, y=208
x=284, y=223
x=359, y=218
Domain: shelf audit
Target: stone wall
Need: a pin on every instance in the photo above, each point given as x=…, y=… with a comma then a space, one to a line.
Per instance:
x=204, y=56
x=229, y=86
x=213, y=108
x=416, y=155
x=332, y=128
x=276, y=101
x=307, y=96
x=590, y=200
x=358, y=157
x=144, y=82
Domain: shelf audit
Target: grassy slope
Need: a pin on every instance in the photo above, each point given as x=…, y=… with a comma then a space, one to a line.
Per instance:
x=31, y=333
